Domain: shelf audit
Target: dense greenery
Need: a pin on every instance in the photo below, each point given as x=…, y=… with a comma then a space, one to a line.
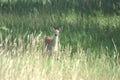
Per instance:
x=84, y=6
x=90, y=23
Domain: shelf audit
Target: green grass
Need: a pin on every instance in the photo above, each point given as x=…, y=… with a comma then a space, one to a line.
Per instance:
x=91, y=32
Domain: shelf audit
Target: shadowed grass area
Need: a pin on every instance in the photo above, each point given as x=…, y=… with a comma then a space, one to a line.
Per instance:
x=84, y=6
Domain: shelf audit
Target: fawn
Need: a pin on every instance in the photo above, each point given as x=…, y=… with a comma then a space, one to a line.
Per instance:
x=52, y=43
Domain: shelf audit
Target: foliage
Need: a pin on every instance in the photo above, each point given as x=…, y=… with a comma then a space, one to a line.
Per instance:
x=83, y=6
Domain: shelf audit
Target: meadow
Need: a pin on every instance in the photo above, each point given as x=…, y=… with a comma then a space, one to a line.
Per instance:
x=90, y=42
x=30, y=63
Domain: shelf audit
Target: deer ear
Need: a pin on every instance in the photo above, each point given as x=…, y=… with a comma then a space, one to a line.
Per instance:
x=61, y=28
x=52, y=29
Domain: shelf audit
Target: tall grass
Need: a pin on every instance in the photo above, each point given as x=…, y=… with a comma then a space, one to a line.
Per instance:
x=21, y=61
x=90, y=41
x=87, y=31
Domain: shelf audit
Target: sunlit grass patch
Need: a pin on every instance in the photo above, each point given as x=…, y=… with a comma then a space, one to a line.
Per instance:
x=17, y=63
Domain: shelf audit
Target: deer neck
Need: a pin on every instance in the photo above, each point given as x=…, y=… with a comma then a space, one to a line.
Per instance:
x=55, y=41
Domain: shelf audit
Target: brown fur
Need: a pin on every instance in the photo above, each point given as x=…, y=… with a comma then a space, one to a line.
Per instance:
x=48, y=42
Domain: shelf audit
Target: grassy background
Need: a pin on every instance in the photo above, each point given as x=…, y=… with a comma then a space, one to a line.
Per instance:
x=90, y=31
x=90, y=40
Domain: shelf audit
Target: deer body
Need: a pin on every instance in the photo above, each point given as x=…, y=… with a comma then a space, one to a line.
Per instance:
x=52, y=44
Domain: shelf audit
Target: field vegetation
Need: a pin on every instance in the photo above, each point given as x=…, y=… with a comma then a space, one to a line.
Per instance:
x=90, y=40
